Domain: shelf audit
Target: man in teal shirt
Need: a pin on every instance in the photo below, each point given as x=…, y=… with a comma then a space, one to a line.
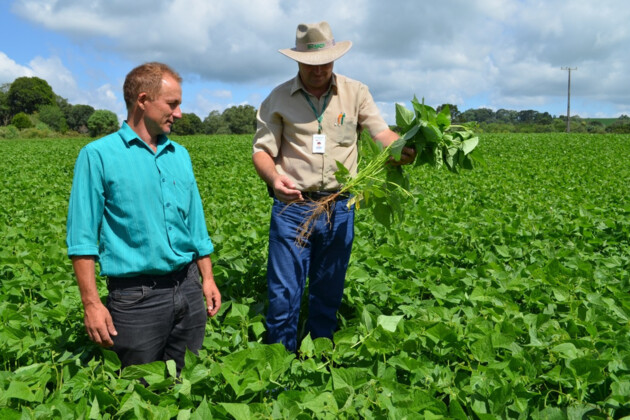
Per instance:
x=135, y=208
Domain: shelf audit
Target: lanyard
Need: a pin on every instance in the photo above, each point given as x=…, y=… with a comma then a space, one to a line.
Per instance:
x=318, y=115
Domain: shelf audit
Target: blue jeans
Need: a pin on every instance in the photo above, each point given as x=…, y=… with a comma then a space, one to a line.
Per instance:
x=158, y=321
x=323, y=259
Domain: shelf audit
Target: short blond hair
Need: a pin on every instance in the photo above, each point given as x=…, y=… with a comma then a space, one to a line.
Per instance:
x=146, y=78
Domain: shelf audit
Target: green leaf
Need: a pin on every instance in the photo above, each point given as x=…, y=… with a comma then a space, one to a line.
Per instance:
x=431, y=133
x=352, y=377
x=404, y=117
x=482, y=350
x=112, y=362
x=153, y=373
x=342, y=174
x=323, y=346
x=171, y=367
x=469, y=144
x=444, y=118
x=382, y=213
x=307, y=348
x=590, y=369
x=423, y=111
x=568, y=350
x=238, y=411
x=456, y=411
x=20, y=391
x=397, y=146
x=389, y=323
x=397, y=176
x=95, y=411
x=202, y=412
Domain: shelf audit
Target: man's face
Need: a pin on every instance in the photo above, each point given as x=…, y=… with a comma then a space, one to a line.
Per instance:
x=162, y=111
x=316, y=77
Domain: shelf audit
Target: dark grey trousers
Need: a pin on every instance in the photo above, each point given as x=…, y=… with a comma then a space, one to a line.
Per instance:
x=157, y=320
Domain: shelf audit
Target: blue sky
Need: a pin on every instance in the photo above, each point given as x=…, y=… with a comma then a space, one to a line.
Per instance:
x=472, y=53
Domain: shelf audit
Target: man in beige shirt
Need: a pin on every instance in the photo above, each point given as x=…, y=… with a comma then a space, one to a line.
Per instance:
x=304, y=126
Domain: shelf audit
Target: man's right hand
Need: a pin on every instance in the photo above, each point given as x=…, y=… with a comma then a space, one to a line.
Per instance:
x=97, y=319
x=99, y=324
x=284, y=189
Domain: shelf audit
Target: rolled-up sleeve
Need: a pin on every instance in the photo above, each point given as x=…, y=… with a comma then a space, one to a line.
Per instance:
x=268, y=135
x=85, y=209
x=369, y=115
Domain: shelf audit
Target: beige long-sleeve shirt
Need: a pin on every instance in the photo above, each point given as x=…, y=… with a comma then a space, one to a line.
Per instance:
x=286, y=123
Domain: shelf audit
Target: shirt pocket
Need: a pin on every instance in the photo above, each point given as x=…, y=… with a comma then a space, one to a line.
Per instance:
x=182, y=192
x=348, y=133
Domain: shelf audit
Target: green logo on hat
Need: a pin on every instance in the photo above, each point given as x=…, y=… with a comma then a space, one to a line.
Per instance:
x=316, y=46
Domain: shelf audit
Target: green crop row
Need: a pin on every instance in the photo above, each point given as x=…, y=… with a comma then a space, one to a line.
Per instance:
x=502, y=294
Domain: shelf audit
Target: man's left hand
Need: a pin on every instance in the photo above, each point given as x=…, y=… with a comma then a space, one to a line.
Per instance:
x=407, y=156
x=213, y=296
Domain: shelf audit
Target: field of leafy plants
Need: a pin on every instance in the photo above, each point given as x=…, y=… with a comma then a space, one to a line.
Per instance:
x=503, y=294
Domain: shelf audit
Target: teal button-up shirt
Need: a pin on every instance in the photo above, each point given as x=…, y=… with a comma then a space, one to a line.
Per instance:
x=137, y=210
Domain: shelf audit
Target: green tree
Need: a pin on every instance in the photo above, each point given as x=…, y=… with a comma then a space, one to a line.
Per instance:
x=543, y=118
x=102, y=122
x=527, y=116
x=479, y=115
x=28, y=94
x=215, y=124
x=21, y=121
x=188, y=124
x=455, y=114
x=620, y=126
x=5, y=112
x=241, y=119
x=53, y=117
x=595, y=127
x=506, y=116
x=63, y=105
x=78, y=117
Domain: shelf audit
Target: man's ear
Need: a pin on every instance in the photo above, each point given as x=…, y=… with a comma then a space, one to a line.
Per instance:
x=142, y=99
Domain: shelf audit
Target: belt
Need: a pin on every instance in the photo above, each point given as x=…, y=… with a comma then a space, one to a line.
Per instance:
x=318, y=195
x=315, y=195
x=155, y=281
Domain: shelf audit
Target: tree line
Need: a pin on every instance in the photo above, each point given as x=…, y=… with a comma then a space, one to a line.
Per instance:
x=29, y=108
x=509, y=121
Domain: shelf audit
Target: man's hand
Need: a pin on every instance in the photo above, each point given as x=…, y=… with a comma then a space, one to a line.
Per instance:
x=407, y=156
x=284, y=189
x=97, y=319
x=210, y=289
x=213, y=296
x=387, y=137
x=99, y=324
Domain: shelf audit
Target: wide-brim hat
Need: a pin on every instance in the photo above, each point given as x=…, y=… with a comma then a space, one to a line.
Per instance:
x=315, y=45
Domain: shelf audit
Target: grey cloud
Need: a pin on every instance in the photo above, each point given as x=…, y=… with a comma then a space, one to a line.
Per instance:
x=509, y=51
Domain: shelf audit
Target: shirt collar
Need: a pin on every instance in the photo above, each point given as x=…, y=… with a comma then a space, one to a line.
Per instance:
x=129, y=136
x=298, y=85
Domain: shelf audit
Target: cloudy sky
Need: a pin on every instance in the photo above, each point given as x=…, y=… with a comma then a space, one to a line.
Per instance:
x=472, y=53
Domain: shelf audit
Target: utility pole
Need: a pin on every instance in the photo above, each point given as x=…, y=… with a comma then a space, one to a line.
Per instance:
x=569, y=98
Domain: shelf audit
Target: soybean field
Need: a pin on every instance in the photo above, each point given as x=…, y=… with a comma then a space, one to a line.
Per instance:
x=504, y=293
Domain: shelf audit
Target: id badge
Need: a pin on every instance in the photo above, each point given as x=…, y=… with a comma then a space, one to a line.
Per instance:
x=319, y=143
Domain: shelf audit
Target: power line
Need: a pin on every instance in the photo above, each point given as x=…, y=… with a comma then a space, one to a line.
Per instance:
x=569, y=98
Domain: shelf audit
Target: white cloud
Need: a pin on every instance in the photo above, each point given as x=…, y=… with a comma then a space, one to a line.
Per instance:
x=10, y=70
x=224, y=94
x=507, y=52
x=56, y=74
x=61, y=81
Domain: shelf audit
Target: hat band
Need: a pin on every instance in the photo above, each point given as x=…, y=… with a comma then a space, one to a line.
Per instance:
x=315, y=46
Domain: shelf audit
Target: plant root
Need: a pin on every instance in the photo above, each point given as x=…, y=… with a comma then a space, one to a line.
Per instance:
x=323, y=206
